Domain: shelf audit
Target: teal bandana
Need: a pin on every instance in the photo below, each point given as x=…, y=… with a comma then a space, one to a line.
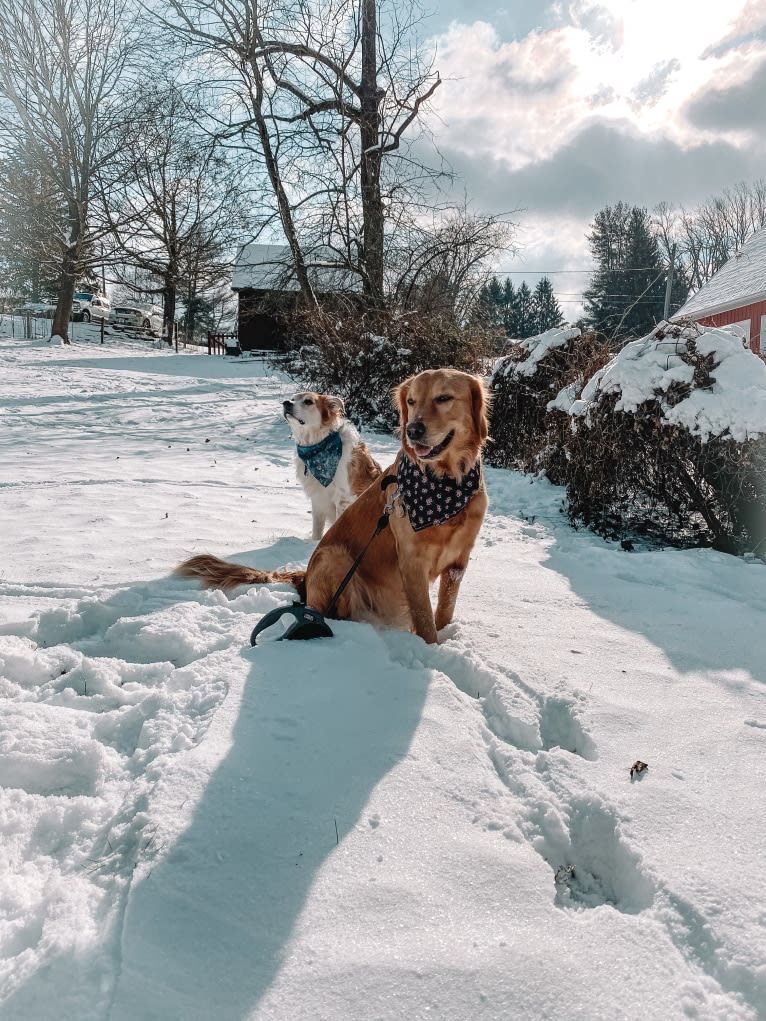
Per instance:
x=322, y=459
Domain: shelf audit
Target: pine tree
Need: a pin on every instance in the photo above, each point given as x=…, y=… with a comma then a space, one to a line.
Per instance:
x=524, y=317
x=491, y=304
x=546, y=310
x=509, y=300
x=31, y=221
x=627, y=291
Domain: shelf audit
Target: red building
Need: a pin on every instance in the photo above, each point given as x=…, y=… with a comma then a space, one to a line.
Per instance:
x=736, y=294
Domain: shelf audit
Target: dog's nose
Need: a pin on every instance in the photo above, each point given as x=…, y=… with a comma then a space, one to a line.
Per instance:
x=287, y=405
x=415, y=430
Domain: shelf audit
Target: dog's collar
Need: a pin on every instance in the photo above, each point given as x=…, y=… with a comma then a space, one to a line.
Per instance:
x=322, y=459
x=430, y=499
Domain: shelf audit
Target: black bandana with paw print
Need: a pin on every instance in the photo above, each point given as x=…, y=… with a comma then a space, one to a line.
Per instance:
x=430, y=499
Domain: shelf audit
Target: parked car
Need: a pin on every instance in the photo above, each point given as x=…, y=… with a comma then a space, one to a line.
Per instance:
x=36, y=309
x=137, y=316
x=88, y=307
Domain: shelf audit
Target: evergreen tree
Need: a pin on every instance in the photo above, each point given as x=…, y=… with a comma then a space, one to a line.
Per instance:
x=546, y=311
x=627, y=291
x=490, y=304
x=509, y=301
x=31, y=218
x=523, y=313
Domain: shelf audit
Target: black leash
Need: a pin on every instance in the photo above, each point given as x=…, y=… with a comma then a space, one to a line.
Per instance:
x=387, y=480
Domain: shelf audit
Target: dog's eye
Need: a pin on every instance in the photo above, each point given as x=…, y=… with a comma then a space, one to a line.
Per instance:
x=410, y=401
x=307, y=400
x=443, y=398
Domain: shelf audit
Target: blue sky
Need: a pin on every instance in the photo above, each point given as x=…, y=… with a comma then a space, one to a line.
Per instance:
x=551, y=112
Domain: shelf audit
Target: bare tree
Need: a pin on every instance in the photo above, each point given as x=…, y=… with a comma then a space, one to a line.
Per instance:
x=442, y=266
x=708, y=236
x=179, y=209
x=333, y=96
x=63, y=65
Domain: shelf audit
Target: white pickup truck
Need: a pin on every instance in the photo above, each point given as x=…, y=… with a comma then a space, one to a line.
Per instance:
x=88, y=307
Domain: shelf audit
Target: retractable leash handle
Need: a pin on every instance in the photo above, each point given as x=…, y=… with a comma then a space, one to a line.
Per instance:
x=306, y=623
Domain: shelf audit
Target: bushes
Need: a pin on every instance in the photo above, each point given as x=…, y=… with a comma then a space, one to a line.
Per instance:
x=667, y=440
x=526, y=435
x=630, y=473
x=362, y=357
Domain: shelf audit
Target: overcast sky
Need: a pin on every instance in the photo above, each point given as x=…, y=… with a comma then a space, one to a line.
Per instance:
x=555, y=111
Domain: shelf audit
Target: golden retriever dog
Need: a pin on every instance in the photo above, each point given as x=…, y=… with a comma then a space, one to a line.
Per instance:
x=435, y=507
x=332, y=464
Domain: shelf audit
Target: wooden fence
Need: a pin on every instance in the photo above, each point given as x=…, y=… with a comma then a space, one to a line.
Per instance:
x=220, y=343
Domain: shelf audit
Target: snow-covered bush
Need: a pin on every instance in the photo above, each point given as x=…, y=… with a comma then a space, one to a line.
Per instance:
x=525, y=435
x=362, y=357
x=669, y=440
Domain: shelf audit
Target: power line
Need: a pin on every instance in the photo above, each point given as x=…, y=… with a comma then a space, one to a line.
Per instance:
x=599, y=295
x=593, y=269
x=579, y=301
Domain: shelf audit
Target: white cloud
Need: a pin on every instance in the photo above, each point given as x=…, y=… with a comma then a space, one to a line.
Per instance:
x=520, y=100
x=643, y=101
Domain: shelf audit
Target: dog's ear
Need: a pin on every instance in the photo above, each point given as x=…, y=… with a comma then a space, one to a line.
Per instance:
x=331, y=407
x=400, y=399
x=336, y=404
x=479, y=408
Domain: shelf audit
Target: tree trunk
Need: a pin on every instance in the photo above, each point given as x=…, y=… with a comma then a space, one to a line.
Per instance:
x=169, y=300
x=168, y=309
x=70, y=270
x=190, y=317
x=63, y=313
x=283, y=202
x=371, y=156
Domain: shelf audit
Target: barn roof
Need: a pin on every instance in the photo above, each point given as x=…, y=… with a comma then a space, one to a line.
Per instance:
x=740, y=281
x=270, y=268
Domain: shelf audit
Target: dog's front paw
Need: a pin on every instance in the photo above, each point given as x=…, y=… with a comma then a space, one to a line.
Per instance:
x=448, y=631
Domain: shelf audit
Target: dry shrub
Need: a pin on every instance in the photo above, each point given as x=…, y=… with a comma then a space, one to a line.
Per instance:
x=362, y=356
x=525, y=434
x=633, y=473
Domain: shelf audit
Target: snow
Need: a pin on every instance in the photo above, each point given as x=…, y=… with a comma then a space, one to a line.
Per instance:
x=262, y=266
x=270, y=267
x=363, y=826
x=734, y=405
x=538, y=347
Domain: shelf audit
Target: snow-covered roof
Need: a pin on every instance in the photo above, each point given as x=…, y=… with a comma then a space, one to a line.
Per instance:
x=270, y=268
x=740, y=281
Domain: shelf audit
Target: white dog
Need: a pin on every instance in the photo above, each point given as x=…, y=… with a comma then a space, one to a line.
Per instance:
x=333, y=464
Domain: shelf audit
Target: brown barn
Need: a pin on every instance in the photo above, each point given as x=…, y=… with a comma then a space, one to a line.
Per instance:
x=264, y=280
x=735, y=295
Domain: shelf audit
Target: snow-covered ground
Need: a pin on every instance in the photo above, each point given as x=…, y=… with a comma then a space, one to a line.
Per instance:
x=363, y=826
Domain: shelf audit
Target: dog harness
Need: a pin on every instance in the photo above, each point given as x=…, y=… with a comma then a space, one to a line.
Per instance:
x=430, y=499
x=322, y=459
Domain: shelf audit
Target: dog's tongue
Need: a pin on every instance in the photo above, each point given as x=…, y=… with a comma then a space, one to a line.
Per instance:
x=421, y=450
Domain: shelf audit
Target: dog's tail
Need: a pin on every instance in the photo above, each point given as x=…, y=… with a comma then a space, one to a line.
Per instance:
x=215, y=573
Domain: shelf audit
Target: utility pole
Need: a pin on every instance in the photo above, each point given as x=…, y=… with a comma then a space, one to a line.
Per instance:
x=669, y=284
